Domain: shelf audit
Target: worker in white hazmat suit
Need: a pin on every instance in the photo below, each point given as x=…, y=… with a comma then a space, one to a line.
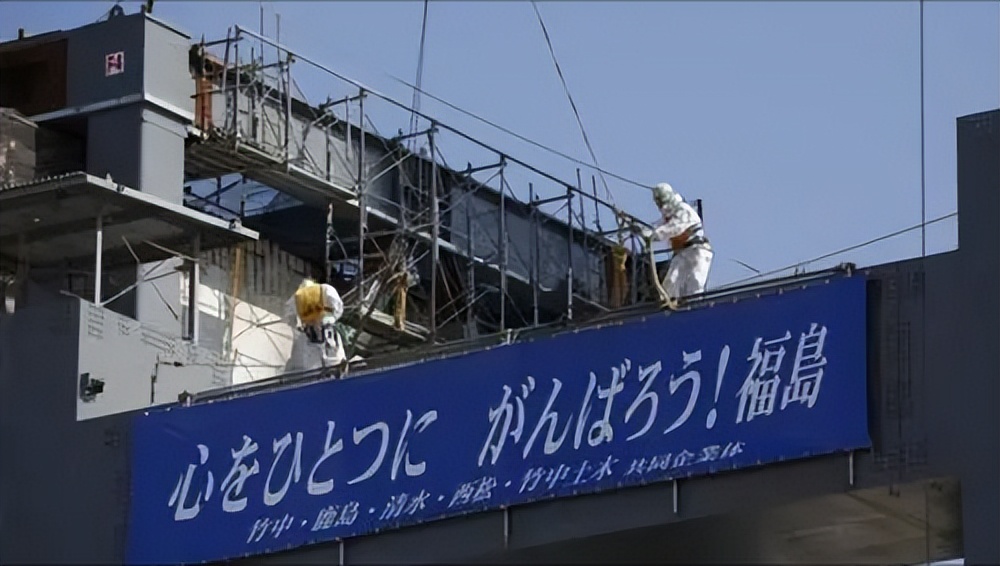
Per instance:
x=313, y=313
x=692, y=259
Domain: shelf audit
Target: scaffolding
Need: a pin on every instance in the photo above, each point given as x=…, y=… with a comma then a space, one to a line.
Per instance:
x=450, y=253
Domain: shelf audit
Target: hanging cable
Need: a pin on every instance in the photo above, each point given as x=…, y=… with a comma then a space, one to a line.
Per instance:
x=923, y=197
x=838, y=252
x=415, y=105
x=572, y=103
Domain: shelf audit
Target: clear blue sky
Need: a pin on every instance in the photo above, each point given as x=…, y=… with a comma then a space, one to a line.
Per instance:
x=798, y=123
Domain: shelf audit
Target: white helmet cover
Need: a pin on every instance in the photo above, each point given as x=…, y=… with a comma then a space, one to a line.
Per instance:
x=665, y=196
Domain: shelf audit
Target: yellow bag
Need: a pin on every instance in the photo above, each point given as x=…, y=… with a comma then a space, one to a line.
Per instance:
x=309, y=304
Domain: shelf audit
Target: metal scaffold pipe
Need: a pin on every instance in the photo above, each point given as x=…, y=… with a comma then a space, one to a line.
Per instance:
x=533, y=212
x=569, y=253
x=503, y=245
x=435, y=235
x=471, y=291
x=583, y=231
x=328, y=244
x=362, y=205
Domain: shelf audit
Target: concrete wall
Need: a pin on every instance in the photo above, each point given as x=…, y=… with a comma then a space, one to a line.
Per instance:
x=975, y=377
x=113, y=145
x=63, y=483
x=86, y=52
x=165, y=66
x=139, y=365
x=139, y=145
x=155, y=55
x=248, y=330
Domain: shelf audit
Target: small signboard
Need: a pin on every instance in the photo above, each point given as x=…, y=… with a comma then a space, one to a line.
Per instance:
x=114, y=63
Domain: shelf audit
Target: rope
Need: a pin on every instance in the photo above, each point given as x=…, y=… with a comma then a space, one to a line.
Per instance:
x=665, y=299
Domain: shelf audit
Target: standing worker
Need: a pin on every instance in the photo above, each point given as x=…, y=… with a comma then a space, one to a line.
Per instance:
x=313, y=312
x=692, y=259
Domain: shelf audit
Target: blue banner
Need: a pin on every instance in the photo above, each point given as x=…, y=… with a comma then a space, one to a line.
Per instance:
x=719, y=388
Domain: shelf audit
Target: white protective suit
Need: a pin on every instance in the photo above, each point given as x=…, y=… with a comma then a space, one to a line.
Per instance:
x=316, y=342
x=692, y=259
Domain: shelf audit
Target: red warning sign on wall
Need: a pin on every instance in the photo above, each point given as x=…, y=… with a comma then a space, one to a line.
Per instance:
x=114, y=63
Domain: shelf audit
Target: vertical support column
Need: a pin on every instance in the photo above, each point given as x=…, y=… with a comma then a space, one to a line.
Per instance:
x=225, y=69
x=597, y=211
x=533, y=212
x=194, y=279
x=470, y=254
x=362, y=207
x=569, y=253
x=348, y=144
x=255, y=104
x=604, y=277
x=256, y=111
x=236, y=90
x=329, y=151
x=583, y=225
x=14, y=291
x=261, y=31
x=502, y=246
x=634, y=284
x=98, y=259
x=435, y=234
x=506, y=527
x=327, y=262
x=287, y=68
x=285, y=75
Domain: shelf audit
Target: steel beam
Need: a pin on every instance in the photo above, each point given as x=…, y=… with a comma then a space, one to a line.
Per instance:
x=98, y=259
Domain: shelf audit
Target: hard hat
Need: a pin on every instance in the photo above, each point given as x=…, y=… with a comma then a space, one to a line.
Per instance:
x=307, y=282
x=665, y=196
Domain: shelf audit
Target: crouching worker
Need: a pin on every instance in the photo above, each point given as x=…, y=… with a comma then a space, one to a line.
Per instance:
x=692, y=259
x=313, y=313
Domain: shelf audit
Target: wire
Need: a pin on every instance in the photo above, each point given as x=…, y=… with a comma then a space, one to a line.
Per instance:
x=572, y=103
x=420, y=75
x=838, y=252
x=519, y=136
x=923, y=197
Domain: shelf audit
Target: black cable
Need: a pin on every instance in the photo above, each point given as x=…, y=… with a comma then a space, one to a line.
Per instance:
x=420, y=75
x=515, y=135
x=845, y=250
x=923, y=197
x=572, y=103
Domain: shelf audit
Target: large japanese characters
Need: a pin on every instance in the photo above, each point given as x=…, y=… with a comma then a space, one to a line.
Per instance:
x=718, y=389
